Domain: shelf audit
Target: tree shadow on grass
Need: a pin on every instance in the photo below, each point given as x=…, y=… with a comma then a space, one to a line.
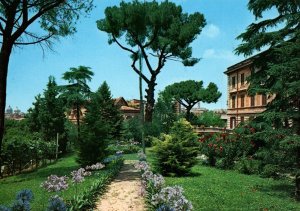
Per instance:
x=278, y=190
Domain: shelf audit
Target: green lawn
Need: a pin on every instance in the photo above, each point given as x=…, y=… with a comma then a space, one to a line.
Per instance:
x=214, y=189
x=11, y=185
x=130, y=156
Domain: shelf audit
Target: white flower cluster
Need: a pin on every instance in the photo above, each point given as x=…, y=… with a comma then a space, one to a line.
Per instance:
x=78, y=176
x=96, y=166
x=173, y=197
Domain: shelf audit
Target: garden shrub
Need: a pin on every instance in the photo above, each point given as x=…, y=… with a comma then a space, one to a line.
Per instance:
x=22, y=202
x=175, y=154
x=126, y=148
x=270, y=170
x=247, y=165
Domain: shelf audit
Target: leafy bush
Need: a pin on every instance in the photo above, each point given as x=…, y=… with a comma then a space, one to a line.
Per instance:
x=209, y=118
x=175, y=154
x=270, y=170
x=247, y=165
x=224, y=149
x=126, y=149
x=22, y=202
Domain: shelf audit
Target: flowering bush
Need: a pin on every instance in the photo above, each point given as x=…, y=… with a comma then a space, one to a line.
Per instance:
x=173, y=197
x=157, y=197
x=96, y=166
x=223, y=149
x=142, y=166
x=22, y=202
x=55, y=183
x=86, y=199
x=56, y=204
x=78, y=175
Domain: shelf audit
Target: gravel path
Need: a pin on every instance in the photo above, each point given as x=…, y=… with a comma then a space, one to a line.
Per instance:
x=123, y=193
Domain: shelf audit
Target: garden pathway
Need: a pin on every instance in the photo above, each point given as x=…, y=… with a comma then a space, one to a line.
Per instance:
x=123, y=193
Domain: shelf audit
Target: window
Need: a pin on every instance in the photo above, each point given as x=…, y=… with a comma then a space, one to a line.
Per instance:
x=232, y=122
x=242, y=79
x=233, y=81
x=233, y=102
x=264, y=99
x=242, y=101
x=242, y=119
x=252, y=100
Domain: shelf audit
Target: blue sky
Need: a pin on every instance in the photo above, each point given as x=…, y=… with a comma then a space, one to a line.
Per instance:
x=29, y=69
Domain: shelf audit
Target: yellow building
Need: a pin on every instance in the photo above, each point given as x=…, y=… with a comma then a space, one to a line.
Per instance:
x=240, y=106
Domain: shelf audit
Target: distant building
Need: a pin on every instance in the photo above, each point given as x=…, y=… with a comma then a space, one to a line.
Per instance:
x=223, y=114
x=14, y=114
x=130, y=108
x=240, y=106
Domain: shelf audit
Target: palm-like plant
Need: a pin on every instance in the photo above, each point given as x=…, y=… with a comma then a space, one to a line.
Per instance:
x=77, y=91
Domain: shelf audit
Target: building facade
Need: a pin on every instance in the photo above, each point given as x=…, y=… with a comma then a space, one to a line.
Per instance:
x=240, y=106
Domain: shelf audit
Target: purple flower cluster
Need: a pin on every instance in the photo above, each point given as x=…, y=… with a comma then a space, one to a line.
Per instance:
x=78, y=175
x=55, y=183
x=96, y=166
x=156, y=181
x=142, y=166
x=173, y=197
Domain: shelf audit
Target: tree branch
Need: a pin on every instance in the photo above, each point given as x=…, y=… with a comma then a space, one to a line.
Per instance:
x=42, y=11
x=138, y=72
x=25, y=11
x=182, y=103
x=44, y=38
x=145, y=56
x=121, y=46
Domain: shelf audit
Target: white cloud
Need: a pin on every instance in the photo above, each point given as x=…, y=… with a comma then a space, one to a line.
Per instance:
x=220, y=54
x=211, y=31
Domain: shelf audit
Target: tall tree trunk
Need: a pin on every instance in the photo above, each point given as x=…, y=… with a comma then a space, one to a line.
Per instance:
x=150, y=99
x=188, y=113
x=4, y=61
x=296, y=122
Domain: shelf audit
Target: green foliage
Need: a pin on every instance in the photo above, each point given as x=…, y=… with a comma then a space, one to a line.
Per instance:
x=133, y=129
x=209, y=118
x=154, y=25
x=126, y=148
x=247, y=165
x=47, y=116
x=152, y=28
x=175, y=154
x=110, y=112
x=223, y=149
x=277, y=71
x=77, y=92
x=230, y=190
x=189, y=93
x=164, y=114
x=100, y=125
